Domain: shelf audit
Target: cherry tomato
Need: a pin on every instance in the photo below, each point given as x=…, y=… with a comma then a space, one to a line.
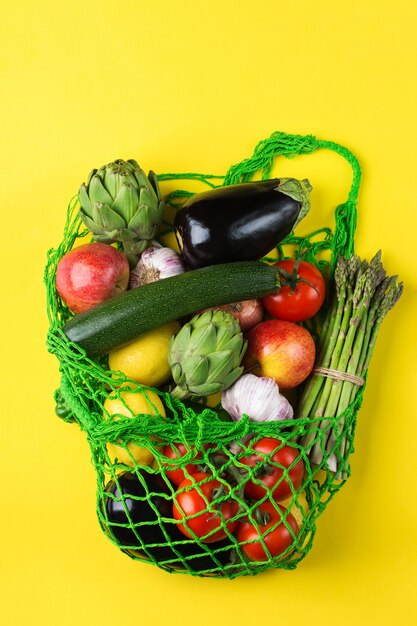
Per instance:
x=175, y=473
x=193, y=498
x=273, y=533
x=269, y=472
x=302, y=302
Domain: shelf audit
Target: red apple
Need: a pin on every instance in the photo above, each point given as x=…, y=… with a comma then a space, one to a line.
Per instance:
x=283, y=350
x=91, y=273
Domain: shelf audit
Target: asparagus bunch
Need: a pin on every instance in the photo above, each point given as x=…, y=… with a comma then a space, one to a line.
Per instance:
x=363, y=296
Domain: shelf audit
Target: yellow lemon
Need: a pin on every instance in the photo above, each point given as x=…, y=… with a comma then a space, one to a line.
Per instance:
x=214, y=400
x=127, y=403
x=146, y=359
x=170, y=241
x=299, y=510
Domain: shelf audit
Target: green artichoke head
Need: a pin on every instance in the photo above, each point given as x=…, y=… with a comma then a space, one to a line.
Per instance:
x=119, y=203
x=205, y=356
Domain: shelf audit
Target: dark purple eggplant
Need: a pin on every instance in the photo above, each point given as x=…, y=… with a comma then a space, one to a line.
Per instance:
x=144, y=500
x=240, y=222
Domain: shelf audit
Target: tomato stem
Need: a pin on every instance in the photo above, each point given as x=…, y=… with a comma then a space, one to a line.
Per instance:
x=264, y=470
x=292, y=279
x=261, y=516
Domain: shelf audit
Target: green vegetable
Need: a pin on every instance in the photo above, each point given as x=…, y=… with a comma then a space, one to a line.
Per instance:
x=364, y=295
x=119, y=320
x=62, y=410
x=206, y=354
x=120, y=204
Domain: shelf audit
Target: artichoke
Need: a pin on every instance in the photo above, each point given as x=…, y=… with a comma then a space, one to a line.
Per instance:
x=206, y=354
x=119, y=203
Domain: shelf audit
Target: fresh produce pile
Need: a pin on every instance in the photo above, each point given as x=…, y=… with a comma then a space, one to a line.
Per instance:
x=213, y=357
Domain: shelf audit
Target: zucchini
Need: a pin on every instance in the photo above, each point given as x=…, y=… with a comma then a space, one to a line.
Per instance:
x=121, y=319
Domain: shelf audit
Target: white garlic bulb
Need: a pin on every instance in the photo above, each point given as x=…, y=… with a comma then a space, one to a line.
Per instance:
x=258, y=397
x=155, y=264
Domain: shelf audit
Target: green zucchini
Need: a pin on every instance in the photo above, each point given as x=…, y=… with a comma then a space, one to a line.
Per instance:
x=120, y=320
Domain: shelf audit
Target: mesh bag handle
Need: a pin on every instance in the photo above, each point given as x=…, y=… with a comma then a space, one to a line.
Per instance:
x=290, y=146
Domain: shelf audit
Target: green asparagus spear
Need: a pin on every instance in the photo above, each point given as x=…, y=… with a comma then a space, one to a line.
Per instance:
x=363, y=296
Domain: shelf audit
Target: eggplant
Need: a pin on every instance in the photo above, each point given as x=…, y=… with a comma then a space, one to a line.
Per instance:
x=240, y=222
x=145, y=498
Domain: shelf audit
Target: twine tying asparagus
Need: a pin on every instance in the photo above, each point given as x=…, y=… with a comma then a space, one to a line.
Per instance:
x=338, y=375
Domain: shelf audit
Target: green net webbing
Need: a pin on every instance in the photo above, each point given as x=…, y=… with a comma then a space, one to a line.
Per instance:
x=135, y=489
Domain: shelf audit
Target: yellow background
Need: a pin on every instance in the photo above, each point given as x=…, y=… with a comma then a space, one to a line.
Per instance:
x=192, y=86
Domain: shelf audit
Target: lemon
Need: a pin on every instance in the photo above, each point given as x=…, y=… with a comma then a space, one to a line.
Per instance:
x=299, y=508
x=170, y=241
x=214, y=400
x=127, y=403
x=145, y=360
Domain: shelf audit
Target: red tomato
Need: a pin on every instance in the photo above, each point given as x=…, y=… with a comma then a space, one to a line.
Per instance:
x=301, y=303
x=269, y=473
x=193, y=498
x=273, y=533
x=178, y=474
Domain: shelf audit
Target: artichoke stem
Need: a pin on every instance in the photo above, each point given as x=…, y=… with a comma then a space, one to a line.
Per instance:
x=179, y=393
x=133, y=250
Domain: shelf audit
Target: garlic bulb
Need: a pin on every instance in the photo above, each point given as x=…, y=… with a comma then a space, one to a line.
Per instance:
x=258, y=397
x=154, y=264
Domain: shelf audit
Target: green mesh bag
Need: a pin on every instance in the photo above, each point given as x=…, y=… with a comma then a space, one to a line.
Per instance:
x=135, y=502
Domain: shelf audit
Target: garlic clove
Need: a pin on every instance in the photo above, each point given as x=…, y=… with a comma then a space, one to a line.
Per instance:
x=284, y=409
